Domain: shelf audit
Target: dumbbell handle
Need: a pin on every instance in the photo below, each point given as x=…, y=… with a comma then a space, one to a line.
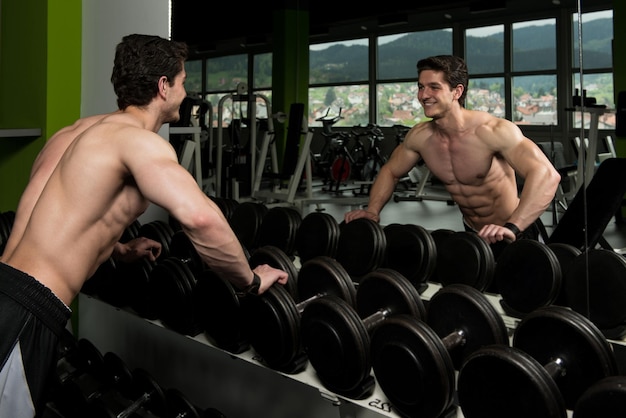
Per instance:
x=555, y=368
x=454, y=339
x=132, y=408
x=376, y=318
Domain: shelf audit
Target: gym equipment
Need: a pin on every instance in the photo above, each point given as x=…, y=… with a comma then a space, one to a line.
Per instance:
x=279, y=227
x=275, y=257
x=336, y=335
x=361, y=246
x=296, y=161
x=272, y=320
x=596, y=287
x=318, y=234
x=143, y=396
x=606, y=398
x=229, y=187
x=78, y=389
x=246, y=221
x=555, y=355
x=598, y=203
x=412, y=251
x=415, y=360
x=527, y=276
x=466, y=258
x=171, y=287
x=217, y=305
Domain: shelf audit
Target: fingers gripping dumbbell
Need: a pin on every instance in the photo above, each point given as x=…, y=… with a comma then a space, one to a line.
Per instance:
x=272, y=320
x=415, y=360
x=217, y=304
x=144, y=395
x=556, y=354
x=336, y=335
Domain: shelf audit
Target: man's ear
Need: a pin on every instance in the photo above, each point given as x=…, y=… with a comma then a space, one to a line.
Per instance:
x=163, y=84
x=458, y=91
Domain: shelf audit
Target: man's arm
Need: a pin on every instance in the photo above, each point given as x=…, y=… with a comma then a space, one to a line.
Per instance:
x=164, y=182
x=540, y=179
x=402, y=160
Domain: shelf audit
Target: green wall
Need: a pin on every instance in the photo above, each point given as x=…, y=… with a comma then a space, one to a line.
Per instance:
x=40, y=63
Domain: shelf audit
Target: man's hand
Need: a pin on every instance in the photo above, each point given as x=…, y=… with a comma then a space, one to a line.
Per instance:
x=361, y=213
x=270, y=275
x=494, y=233
x=137, y=248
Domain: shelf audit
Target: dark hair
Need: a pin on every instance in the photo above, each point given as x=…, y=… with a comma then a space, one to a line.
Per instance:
x=140, y=60
x=453, y=68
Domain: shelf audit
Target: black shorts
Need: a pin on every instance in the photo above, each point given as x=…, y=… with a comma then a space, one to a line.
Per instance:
x=32, y=319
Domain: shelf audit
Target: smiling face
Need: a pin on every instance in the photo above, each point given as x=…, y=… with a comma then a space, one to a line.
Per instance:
x=435, y=95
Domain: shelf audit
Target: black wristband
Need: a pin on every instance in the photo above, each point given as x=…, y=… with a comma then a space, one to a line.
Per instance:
x=253, y=288
x=514, y=229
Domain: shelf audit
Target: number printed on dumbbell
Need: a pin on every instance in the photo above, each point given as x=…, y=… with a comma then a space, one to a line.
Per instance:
x=380, y=404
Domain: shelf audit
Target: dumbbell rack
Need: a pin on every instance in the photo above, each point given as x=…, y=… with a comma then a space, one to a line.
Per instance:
x=214, y=377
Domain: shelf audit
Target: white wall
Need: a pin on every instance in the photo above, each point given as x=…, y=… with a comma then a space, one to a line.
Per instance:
x=104, y=25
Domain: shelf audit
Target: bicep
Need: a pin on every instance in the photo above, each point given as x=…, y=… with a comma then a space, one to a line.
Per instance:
x=402, y=160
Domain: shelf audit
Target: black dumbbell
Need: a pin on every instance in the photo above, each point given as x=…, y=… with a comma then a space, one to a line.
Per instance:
x=606, y=398
x=80, y=372
x=464, y=257
x=415, y=361
x=272, y=320
x=336, y=335
x=411, y=251
x=217, y=303
x=527, y=276
x=179, y=406
x=555, y=355
x=143, y=396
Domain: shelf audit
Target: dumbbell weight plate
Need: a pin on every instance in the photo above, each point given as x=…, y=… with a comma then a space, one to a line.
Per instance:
x=337, y=344
x=118, y=374
x=318, y=234
x=528, y=276
x=279, y=227
x=246, y=221
x=558, y=331
x=336, y=338
x=412, y=251
x=566, y=254
x=361, y=247
x=465, y=258
x=462, y=307
x=413, y=365
x=499, y=381
x=601, y=292
x=272, y=325
x=326, y=275
x=388, y=289
x=181, y=247
x=606, y=398
x=217, y=308
x=439, y=236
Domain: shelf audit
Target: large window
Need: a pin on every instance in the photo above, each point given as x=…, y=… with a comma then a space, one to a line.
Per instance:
x=596, y=78
x=517, y=71
x=396, y=63
x=338, y=79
